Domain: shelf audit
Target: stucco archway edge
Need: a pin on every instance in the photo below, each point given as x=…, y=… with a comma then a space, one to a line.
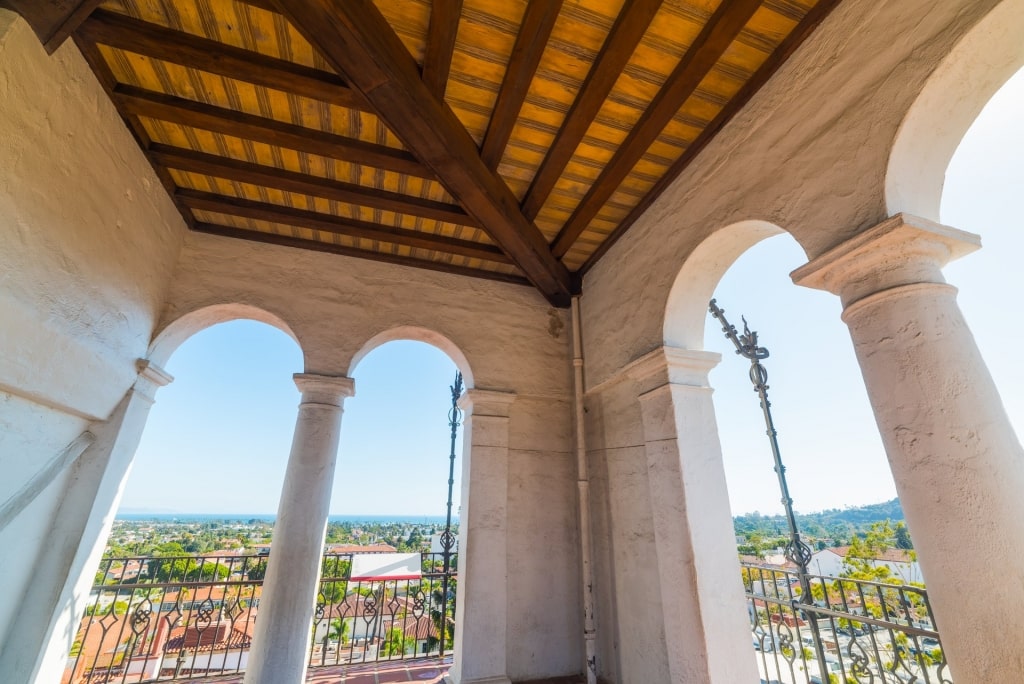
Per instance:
x=167, y=341
x=952, y=98
x=687, y=306
x=416, y=333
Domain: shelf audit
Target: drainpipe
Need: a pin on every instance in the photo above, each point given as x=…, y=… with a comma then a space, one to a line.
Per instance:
x=583, y=481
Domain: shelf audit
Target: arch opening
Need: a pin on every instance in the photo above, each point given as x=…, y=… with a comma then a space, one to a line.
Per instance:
x=167, y=341
x=414, y=333
x=951, y=100
x=687, y=307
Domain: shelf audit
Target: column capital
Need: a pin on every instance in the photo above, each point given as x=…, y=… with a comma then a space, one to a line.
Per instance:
x=902, y=250
x=482, y=402
x=151, y=378
x=331, y=390
x=673, y=366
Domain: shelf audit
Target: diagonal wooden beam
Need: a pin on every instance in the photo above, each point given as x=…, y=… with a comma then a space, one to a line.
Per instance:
x=275, y=213
x=53, y=21
x=441, y=33
x=304, y=184
x=317, y=246
x=785, y=49
x=629, y=28
x=124, y=32
x=534, y=31
x=720, y=31
x=358, y=42
x=132, y=100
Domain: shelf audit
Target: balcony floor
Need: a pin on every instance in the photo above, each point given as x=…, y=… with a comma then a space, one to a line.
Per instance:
x=425, y=671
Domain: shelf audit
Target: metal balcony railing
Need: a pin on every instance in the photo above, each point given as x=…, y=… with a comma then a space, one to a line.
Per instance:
x=183, y=617
x=871, y=632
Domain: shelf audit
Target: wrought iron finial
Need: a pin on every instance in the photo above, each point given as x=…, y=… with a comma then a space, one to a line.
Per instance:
x=797, y=549
x=448, y=537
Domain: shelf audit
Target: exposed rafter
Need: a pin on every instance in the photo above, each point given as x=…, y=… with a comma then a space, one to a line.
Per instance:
x=538, y=21
x=630, y=26
x=124, y=32
x=53, y=21
x=441, y=33
x=269, y=131
x=720, y=31
x=274, y=213
x=305, y=184
x=317, y=246
x=760, y=77
x=359, y=43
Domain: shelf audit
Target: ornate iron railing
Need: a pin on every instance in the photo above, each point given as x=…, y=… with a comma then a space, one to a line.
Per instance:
x=183, y=617
x=871, y=632
x=362, y=621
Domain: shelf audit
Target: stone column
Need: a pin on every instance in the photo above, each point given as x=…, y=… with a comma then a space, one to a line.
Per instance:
x=958, y=466
x=482, y=593
x=37, y=651
x=280, y=648
x=707, y=634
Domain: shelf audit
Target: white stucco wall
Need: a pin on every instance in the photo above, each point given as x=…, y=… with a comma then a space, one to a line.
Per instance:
x=505, y=335
x=89, y=239
x=809, y=154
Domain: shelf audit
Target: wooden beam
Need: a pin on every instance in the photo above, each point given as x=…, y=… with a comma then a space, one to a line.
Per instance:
x=275, y=213
x=304, y=184
x=720, y=31
x=534, y=32
x=316, y=246
x=358, y=42
x=143, y=38
x=441, y=33
x=52, y=20
x=629, y=28
x=177, y=110
x=764, y=73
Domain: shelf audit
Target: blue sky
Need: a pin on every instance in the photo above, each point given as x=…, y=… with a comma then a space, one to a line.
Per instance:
x=219, y=435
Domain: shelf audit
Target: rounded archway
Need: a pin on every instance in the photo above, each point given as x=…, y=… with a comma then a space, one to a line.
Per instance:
x=687, y=306
x=948, y=105
x=415, y=333
x=182, y=328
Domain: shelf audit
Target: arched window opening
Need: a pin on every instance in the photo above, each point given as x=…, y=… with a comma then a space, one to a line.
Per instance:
x=177, y=590
x=387, y=586
x=982, y=195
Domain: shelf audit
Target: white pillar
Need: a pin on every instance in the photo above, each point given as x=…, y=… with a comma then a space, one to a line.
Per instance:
x=37, y=651
x=958, y=466
x=707, y=632
x=280, y=648
x=482, y=593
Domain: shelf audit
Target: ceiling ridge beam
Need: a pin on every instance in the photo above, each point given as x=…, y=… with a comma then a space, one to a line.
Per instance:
x=531, y=41
x=441, y=33
x=627, y=32
x=305, y=184
x=53, y=21
x=343, y=250
x=147, y=103
x=276, y=213
x=359, y=43
x=709, y=46
x=152, y=40
x=767, y=69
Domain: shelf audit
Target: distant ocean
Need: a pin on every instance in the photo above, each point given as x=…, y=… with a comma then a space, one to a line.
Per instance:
x=269, y=517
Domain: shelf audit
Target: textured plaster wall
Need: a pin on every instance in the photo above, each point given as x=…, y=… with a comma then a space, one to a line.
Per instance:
x=88, y=240
x=511, y=340
x=809, y=154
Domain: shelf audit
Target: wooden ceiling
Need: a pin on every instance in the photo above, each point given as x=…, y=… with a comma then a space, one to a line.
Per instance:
x=505, y=139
